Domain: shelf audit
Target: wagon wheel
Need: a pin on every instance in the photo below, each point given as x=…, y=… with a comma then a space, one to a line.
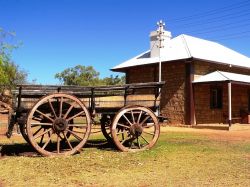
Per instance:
x=94, y=138
x=106, y=121
x=24, y=132
x=135, y=128
x=58, y=124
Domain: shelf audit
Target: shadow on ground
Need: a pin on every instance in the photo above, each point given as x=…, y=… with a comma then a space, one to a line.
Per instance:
x=24, y=149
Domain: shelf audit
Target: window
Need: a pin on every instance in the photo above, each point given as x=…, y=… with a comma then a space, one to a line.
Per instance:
x=215, y=97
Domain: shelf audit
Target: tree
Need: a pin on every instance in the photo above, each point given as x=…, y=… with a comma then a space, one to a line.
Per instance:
x=79, y=75
x=86, y=76
x=114, y=80
x=10, y=73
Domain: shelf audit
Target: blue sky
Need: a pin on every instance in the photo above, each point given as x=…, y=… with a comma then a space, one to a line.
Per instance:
x=58, y=34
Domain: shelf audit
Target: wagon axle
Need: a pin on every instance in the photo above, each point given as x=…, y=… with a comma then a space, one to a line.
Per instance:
x=60, y=125
x=136, y=130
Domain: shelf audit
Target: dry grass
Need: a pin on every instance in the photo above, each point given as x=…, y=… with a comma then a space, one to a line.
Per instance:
x=179, y=159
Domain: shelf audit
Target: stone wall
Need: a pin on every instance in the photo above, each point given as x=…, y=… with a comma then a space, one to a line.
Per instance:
x=172, y=97
x=203, y=112
x=203, y=68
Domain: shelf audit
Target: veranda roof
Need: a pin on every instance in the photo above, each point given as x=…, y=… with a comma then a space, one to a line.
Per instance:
x=186, y=47
x=221, y=76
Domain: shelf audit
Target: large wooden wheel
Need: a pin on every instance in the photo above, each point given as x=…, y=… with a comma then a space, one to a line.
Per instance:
x=135, y=128
x=106, y=121
x=58, y=124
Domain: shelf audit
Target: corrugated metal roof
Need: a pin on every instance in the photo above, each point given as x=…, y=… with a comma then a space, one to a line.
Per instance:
x=220, y=76
x=185, y=47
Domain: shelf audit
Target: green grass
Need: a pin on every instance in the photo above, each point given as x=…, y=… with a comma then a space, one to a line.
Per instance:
x=178, y=159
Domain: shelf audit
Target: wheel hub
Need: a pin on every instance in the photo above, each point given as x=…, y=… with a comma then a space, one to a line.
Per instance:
x=60, y=125
x=136, y=130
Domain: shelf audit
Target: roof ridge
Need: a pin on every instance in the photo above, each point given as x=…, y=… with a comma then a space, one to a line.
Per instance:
x=186, y=45
x=220, y=72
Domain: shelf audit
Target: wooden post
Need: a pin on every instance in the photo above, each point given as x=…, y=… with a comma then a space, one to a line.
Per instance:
x=19, y=97
x=229, y=86
x=190, y=112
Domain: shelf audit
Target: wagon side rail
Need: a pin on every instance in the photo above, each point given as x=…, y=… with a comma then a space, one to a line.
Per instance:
x=39, y=90
x=90, y=93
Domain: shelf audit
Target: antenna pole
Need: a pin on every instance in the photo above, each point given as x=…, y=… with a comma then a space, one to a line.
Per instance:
x=160, y=38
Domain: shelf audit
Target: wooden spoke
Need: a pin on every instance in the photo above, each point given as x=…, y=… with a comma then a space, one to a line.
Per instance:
x=81, y=132
x=78, y=114
x=68, y=111
x=45, y=145
x=38, y=131
x=127, y=119
x=41, y=141
x=133, y=118
x=67, y=140
x=95, y=132
x=36, y=118
x=44, y=115
x=118, y=124
x=58, y=144
x=52, y=108
x=60, y=136
x=122, y=134
x=98, y=128
x=149, y=125
x=40, y=124
x=127, y=139
x=118, y=133
x=75, y=135
x=77, y=125
x=146, y=118
x=144, y=139
x=60, y=108
x=49, y=134
x=138, y=120
x=138, y=142
x=149, y=133
x=37, y=136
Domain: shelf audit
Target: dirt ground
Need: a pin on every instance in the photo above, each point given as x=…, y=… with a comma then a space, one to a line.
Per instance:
x=209, y=132
x=237, y=135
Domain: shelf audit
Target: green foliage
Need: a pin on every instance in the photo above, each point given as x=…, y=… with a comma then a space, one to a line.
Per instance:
x=10, y=73
x=114, y=80
x=79, y=75
x=86, y=76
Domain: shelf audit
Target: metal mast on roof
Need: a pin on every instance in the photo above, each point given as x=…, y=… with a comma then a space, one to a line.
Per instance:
x=160, y=32
x=160, y=45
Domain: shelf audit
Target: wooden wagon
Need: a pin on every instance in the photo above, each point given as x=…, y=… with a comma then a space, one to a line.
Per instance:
x=57, y=120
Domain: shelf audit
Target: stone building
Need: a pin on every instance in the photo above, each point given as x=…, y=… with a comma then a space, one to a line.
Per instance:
x=206, y=82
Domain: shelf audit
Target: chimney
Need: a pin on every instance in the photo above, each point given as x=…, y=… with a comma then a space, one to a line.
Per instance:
x=158, y=40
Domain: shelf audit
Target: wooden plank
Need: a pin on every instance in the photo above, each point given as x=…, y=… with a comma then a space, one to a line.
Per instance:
x=99, y=97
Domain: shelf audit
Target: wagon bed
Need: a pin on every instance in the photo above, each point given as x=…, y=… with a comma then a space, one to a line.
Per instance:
x=101, y=98
x=56, y=120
